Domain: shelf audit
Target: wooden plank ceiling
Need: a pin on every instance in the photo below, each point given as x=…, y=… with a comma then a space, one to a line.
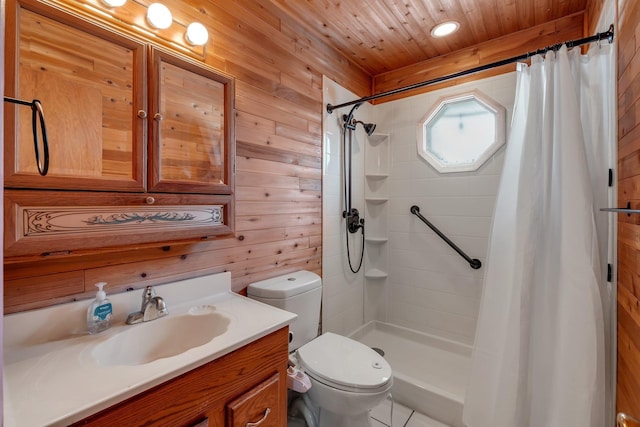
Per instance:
x=384, y=35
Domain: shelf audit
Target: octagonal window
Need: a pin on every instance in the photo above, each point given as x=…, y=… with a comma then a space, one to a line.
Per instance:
x=460, y=133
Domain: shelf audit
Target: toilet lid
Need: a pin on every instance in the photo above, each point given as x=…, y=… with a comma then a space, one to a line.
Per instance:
x=344, y=362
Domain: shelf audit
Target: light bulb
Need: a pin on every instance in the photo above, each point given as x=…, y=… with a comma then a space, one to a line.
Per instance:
x=197, y=34
x=445, y=28
x=159, y=16
x=114, y=3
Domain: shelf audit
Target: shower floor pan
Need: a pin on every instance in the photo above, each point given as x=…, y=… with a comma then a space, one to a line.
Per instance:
x=429, y=373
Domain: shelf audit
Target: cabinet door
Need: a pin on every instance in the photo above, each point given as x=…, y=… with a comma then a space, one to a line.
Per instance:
x=90, y=83
x=192, y=127
x=258, y=407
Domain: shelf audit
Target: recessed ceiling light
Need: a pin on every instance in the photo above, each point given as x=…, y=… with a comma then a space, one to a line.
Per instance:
x=445, y=28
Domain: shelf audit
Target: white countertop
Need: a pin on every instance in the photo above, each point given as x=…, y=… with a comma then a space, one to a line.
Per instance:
x=51, y=376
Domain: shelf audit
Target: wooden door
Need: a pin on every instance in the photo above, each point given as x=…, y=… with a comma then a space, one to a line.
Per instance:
x=628, y=360
x=90, y=83
x=191, y=126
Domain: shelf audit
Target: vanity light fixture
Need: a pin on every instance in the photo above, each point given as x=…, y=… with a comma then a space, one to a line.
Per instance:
x=114, y=3
x=445, y=28
x=159, y=16
x=196, y=34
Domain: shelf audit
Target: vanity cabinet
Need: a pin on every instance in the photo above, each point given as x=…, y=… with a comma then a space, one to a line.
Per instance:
x=141, y=140
x=245, y=386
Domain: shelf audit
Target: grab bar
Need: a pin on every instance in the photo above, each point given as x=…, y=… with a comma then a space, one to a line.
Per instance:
x=37, y=114
x=473, y=263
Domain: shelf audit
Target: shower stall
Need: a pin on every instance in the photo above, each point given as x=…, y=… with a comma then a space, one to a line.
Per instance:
x=414, y=297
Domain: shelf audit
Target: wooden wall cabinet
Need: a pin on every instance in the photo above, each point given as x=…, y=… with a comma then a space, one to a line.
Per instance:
x=247, y=385
x=122, y=117
x=192, y=108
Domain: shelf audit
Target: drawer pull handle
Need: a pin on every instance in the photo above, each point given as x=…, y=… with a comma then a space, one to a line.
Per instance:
x=257, y=423
x=150, y=200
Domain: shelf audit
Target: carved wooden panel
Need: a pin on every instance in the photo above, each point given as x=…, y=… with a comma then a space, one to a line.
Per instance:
x=48, y=222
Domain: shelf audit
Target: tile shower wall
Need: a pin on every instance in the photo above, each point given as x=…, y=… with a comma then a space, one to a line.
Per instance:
x=342, y=294
x=430, y=288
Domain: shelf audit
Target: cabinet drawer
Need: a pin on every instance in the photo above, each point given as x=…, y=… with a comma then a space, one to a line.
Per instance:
x=259, y=406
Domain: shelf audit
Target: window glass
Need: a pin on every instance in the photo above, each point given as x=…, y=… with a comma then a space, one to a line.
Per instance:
x=460, y=133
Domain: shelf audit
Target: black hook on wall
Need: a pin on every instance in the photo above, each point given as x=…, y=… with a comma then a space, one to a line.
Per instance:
x=37, y=115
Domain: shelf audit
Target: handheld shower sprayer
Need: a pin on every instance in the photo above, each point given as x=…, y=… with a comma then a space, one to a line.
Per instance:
x=350, y=123
x=350, y=214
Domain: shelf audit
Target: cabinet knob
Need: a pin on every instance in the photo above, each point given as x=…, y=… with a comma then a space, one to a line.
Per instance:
x=157, y=117
x=263, y=419
x=142, y=114
x=150, y=200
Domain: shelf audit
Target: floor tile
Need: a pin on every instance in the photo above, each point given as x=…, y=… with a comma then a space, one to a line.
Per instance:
x=382, y=413
x=421, y=420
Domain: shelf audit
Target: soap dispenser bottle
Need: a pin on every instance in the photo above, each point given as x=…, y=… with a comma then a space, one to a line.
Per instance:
x=99, y=312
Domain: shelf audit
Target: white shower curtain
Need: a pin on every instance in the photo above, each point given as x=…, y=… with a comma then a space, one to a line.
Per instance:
x=539, y=355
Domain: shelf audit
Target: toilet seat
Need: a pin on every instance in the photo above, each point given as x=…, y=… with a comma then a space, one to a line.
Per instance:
x=344, y=364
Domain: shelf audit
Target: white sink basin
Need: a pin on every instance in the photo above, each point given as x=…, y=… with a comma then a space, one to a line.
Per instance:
x=165, y=337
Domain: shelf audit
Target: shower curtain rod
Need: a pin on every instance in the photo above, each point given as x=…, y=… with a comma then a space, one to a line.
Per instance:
x=608, y=35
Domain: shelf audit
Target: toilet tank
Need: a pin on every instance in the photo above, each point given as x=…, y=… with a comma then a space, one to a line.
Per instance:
x=299, y=293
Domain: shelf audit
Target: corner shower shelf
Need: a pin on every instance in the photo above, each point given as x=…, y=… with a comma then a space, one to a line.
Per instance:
x=377, y=171
x=377, y=138
x=376, y=200
x=375, y=273
x=377, y=156
x=376, y=240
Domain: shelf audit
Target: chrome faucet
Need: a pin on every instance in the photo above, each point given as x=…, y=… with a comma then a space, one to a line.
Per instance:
x=153, y=307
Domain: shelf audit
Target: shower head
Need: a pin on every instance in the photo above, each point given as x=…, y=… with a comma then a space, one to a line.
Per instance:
x=368, y=127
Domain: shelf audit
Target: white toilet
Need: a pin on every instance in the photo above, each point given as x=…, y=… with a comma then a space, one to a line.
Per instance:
x=347, y=377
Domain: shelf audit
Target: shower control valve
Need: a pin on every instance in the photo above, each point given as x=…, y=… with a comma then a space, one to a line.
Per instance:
x=354, y=222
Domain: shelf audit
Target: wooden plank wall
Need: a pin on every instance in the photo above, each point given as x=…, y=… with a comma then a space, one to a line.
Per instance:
x=628, y=368
x=278, y=166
